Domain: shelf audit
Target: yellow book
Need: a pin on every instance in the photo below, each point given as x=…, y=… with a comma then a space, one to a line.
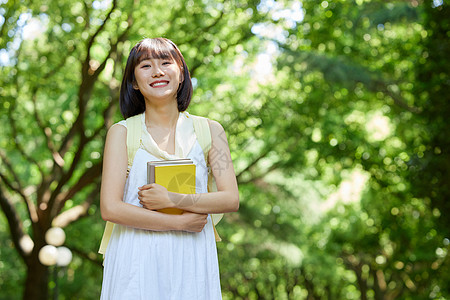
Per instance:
x=177, y=176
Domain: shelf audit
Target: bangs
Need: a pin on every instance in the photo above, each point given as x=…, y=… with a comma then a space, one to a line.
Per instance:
x=155, y=49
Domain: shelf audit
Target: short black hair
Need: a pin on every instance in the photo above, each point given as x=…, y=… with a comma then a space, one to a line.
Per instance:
x=131, y=100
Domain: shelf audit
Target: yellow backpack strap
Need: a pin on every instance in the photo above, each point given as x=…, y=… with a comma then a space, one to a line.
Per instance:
x=106, y=237
x=203, y=133
x=134, y=134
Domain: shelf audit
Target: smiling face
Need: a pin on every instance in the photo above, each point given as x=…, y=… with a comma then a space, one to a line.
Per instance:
x=154, y=70
x=157, y=78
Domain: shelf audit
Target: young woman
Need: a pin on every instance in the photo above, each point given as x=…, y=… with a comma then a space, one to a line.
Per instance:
x=153, y=255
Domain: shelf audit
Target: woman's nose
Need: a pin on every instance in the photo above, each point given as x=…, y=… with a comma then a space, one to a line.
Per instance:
x=157, y=73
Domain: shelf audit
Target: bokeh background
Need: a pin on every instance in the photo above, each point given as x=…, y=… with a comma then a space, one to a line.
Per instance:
x=337, y=114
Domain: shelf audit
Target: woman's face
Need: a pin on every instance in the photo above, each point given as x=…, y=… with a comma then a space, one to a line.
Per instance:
x=158, y=79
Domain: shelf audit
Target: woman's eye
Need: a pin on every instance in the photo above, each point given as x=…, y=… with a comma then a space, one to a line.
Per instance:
x=166, y=63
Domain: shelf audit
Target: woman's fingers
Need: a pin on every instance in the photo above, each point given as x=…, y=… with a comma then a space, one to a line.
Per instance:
x=195, y=222
x=146, y=186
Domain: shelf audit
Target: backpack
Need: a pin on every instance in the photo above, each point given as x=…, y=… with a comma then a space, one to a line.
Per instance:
x=203, y=133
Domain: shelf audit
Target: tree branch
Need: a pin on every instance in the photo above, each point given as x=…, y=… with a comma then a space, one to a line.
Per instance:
x=333, y=69
x=113, y=87
x=200, y=63
x=107, y=114
x=113, y=50
x=198, y=33
x=75, y=213
x=85, y=66
x=55, y=195
x=383, y=86
x=92, y=257
x=14, y=9
x=87, y=24
x=254, y=162
x=47, y=132
x=83, y=139
x=61, y=64
x=273, y=167
x=86, y=87
x=89, y=176
x=14, y=222
x=18, y=188
x=257, y=177
x=14, y=133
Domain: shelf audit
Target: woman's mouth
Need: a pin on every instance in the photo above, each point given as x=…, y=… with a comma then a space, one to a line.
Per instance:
x=157, y=84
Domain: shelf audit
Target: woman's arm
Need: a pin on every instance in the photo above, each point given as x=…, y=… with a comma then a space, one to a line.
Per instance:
x=113, y=209
x=226, y=199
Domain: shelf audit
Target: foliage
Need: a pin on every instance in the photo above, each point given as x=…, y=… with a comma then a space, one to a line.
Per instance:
x=339, y=140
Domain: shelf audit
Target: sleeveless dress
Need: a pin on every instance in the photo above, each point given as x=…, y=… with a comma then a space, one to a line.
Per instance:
x=172, y=265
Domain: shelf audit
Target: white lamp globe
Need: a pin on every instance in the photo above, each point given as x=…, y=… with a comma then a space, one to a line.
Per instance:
x=48, y=255
x=55, y=236
x=26, y=243
x=64, y=256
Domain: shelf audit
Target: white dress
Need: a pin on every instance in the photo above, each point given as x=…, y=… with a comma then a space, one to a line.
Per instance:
x=144, y=264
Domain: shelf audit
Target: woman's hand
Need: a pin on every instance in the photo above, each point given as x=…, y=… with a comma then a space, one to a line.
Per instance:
x=193, y=222
x=154, y=196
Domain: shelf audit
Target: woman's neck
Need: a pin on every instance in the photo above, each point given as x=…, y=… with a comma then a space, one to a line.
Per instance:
x=161, y=116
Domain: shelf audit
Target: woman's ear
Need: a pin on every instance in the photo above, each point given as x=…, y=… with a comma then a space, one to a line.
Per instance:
x=135, y=86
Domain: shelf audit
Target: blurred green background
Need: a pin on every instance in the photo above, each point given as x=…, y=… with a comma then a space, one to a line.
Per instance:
x=337, y=117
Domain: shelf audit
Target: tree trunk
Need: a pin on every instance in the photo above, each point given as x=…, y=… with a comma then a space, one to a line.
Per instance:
x=36, y=283
x=378, y=291
x=361, y=282
x=309, y=285
x=355, y=264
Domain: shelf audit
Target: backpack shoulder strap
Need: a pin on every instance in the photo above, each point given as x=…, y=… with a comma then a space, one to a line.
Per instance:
x=134, y=134
x=203, y=133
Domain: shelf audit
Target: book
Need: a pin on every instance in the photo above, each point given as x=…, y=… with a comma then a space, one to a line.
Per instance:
x=177, y=176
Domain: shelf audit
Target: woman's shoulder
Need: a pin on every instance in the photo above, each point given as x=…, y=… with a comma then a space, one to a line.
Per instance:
x=123, y=123
x=216, y=127
x=212, y=123
x=118, y=128
x=118, y=131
